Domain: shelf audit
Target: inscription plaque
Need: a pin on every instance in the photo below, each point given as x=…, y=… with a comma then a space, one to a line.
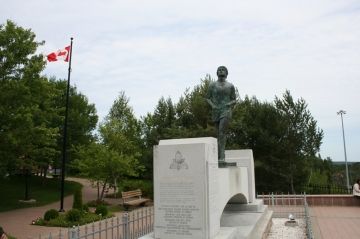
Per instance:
x=179, y=191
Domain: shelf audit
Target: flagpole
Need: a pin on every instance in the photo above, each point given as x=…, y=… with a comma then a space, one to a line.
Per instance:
x=65, y=133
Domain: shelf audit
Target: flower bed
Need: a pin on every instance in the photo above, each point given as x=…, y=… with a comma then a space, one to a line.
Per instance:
x=73, y=217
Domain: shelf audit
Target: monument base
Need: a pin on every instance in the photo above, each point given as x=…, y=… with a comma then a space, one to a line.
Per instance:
x=247, y=224
x=256, y=206
x=241, y=225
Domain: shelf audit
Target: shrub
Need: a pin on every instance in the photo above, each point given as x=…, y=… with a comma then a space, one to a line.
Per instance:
x=85, y=208
x=73, y=215
x=101, y=209
x=51, y=214
x=77, y=204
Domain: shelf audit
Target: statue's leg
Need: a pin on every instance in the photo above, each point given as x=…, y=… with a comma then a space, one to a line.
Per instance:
x=217, y=124
x=223, y=125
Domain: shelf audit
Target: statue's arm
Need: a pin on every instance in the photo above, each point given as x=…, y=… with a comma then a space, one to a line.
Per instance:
x=232, y=101
x=211, y=103
x=209, y=97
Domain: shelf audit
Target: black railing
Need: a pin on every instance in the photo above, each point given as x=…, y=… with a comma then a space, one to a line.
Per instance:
x=325, y=189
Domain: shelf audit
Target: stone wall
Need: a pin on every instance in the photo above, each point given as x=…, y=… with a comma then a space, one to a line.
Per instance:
x=332, y=200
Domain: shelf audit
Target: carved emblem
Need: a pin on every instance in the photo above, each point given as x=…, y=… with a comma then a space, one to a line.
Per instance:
x=179, y=162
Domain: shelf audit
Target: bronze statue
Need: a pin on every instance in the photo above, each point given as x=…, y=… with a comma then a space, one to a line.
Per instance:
x=221, y=97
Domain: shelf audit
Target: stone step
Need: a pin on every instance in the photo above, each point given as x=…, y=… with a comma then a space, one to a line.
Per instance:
x=245, y=225
x=256, y=206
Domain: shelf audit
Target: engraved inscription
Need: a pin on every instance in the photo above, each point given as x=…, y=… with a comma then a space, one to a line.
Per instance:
x=178, y=208
x=178, y=219
x=177, y=193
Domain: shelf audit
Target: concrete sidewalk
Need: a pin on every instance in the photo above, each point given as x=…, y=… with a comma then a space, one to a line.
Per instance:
x=18, y=222
x=335, y=222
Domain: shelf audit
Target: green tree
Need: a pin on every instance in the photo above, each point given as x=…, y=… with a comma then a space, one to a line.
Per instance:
x=121, y=130
x=17, y=53
x=121, y=133
x=163, y=119
x=27, y=139
x=258, y=126
x=150, y=137
x=190, y=117
x=321, y=171
x=104, y=166
x=301, y=140
x=192, y=110
x=156, y=126
x=82, y=118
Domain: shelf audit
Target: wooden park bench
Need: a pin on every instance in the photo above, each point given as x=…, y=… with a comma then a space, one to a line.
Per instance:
x=133, y=198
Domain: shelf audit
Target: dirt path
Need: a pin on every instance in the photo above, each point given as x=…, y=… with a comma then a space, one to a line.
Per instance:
x=18, y=222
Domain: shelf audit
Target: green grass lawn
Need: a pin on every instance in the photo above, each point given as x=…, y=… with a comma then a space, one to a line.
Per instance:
x=44, y=191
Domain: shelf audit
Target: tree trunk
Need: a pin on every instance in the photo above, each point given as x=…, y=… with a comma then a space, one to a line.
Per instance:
x=26, y=184
x=103, y=190
x=292, y=184
x=45, y=172
x=98, y=190
x=115, y=189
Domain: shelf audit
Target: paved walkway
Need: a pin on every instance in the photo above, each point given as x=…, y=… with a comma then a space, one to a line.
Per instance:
x=18, y=222
x=335, y=222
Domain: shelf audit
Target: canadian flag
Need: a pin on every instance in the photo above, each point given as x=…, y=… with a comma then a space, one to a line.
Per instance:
x=62, y=54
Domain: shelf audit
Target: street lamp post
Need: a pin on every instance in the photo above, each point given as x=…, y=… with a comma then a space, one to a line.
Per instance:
x=341, y=113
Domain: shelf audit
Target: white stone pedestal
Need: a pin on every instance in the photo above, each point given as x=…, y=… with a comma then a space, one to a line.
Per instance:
x=191, y=191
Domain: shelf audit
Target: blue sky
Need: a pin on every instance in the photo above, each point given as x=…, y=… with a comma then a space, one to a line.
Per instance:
x=159, y=48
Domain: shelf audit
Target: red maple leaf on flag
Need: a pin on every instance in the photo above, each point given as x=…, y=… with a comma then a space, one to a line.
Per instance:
x=62, y=54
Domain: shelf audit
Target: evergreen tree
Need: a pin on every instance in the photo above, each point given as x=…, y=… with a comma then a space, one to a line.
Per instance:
x=301, y=140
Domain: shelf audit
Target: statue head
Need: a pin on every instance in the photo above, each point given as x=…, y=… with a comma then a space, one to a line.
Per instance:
x=222, y=72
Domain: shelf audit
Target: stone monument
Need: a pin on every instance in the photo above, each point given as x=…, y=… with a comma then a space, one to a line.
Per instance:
x=195, y=199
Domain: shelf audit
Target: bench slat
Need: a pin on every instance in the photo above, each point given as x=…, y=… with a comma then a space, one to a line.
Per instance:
x=130, y=194
x=133, y=198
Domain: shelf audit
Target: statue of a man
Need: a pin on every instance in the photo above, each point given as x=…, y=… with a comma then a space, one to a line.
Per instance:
x=221, y=97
